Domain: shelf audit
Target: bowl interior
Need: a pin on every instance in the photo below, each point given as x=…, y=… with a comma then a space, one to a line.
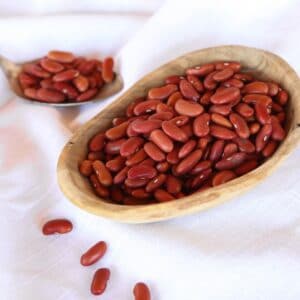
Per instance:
x=262, y=64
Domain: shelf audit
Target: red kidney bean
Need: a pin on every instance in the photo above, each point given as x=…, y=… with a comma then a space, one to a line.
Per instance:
x=145, y=126
x=201, y=166
x=246, y=167
x=51, y=66
x=223, y=177
x=65, y=75
x=136, y=158
x=276, y=107
x=187, y=148
x=278, y=133
x=97, y=155
x=145, y=107
x=66, y=89
x=188, y=108
x=100, y=189
x=263, y=136
x=162, y=195
x=131, y=146
x=188, y=90
x=282, y=97
x=94, y=254
x=121, y=175
x=222, y=132
x=189, y=162
x=201, y=70
x=113, y=147
x=97, y=143
x=270, y=148
x=281, y=117
x=216, y=150
x=61, y=56
x=117, y=132
x=136, y=182
x=254, y=98
x=36, y=71
x=155, y=183
x=272, y=88
x=232, y=82
x=173, y=99
x=196, y=83
x=231, y=162
x=254, y=128
x=209, y=82
x=229, y=149
x=162, y=107
x=87, y=95
x=60, y=226
x=163, y=116
x=154, y=152
x=223, y=109
x=81, y=83
x=245, y=145
x=103, y=174
x=200, y=178
x=163, y=166
x=118, y=121
x=256, y=87
x=117, y=195
x=240, y=125
x=100, y=280
x=27, y=80
x=141, y=291
x=107, y=69
x=140, y=194
x=180, y=120
x=141, y=172
x=174, y=132
x=86, y=67
x=261, y=113
x=86, y=167
x=172, y=157
x=243, y=77
x=201, y=125
x=51, y=96
x=116, y=164
x=161, y=140
x=162, y=92
x=220, y=120
x=244, y=110
x=234, y=65
x=225, y=96
x=173, y=184
x=223, y=75
x=173, y=79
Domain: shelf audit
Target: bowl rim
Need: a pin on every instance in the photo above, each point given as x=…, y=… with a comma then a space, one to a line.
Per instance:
x=192, y=203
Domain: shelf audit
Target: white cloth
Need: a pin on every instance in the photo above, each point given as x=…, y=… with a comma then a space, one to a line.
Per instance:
x=248, y=248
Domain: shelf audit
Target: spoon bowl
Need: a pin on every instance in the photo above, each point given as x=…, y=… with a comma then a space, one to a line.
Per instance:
x=263, y=64
x=12, y=71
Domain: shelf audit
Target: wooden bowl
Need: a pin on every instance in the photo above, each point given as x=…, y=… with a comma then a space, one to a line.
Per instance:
x=265, y=65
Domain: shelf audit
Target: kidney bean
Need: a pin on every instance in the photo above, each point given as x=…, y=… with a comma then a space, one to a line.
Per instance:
x=234, y=65
x=117, y=132
x=103, y=174
x=231, y=162
x=116, y=164
x=204, y=141
x=243, y=77
x=189, y=162
x=107, y=69
x=188, y=90
x=100, y=189
x=117, y=195
x=173, y=79
x=118, y=121
x=174, y=132
x=263, y=136
x=27, y=80
x=270, y=148
x=188, y=129
x=131, y=146
x=216, y=150
x=281, y=117
x=136, y=182
x=254, y=127
x=154, y=152
x=240, y=125
x=51, y=96
x=65, y=75
x=205, y=98
x=60, y=226
x=163, y=116
x=31, y=93
x=141, y=172
x=140, y=194
x=61, y=56
x=94, y=254
x=162, y=107
x=47, y=83
x=97, y=143
x=162, y=195
x=87, y=95
x=100, y=280
x=209, y=82
x=201, y=125
x=188, y=108
x=225, y=96
x=36, y=70
x=66, y=89
x=187, y=148
x=155, y=183
x=232, y=82
x=256, y=87
x=113, y=147
x=278, y=133
x=145, y=126
x=86, y=67
x=173, y=184
x=223, y=109
x=162, y=92
x=244, y=110
x=223, y=177
x=145, y=107
x=254, y=98
x=163, y=166
x=222, y=132
x=245, y=145
x=95, y=155
x=200, y=178
x=141, y=291
x=173, y=99
x=86, y=167
x=161, y=140
x=229, y=149
x=276, y=107
x=261, y=113
x=51, y=66
x=136, y=158
x=220, y=120
x=282, y=97
x=180, y=120
x=81, y=83
x=121, y=176
x=223, y=74
x=172, y=157
x=196, y=83
x=201, y=70
x=201, y=166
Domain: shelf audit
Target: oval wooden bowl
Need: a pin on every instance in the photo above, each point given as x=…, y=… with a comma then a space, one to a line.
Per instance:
x=264, y=64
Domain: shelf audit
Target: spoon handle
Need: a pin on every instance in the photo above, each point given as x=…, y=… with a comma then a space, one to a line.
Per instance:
x=10, y=69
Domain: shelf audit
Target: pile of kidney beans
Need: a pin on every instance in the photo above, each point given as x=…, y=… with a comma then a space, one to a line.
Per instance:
x=63, y=77
x=92, y=256
x=197, y=130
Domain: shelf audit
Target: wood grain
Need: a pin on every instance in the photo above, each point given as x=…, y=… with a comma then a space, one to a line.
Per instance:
x=264, y=64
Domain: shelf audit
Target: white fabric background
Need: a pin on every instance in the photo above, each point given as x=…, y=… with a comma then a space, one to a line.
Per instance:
x=248, y=248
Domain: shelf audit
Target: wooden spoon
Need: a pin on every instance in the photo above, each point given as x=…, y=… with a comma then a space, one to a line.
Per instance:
x=12, y=71
x=264, y=65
